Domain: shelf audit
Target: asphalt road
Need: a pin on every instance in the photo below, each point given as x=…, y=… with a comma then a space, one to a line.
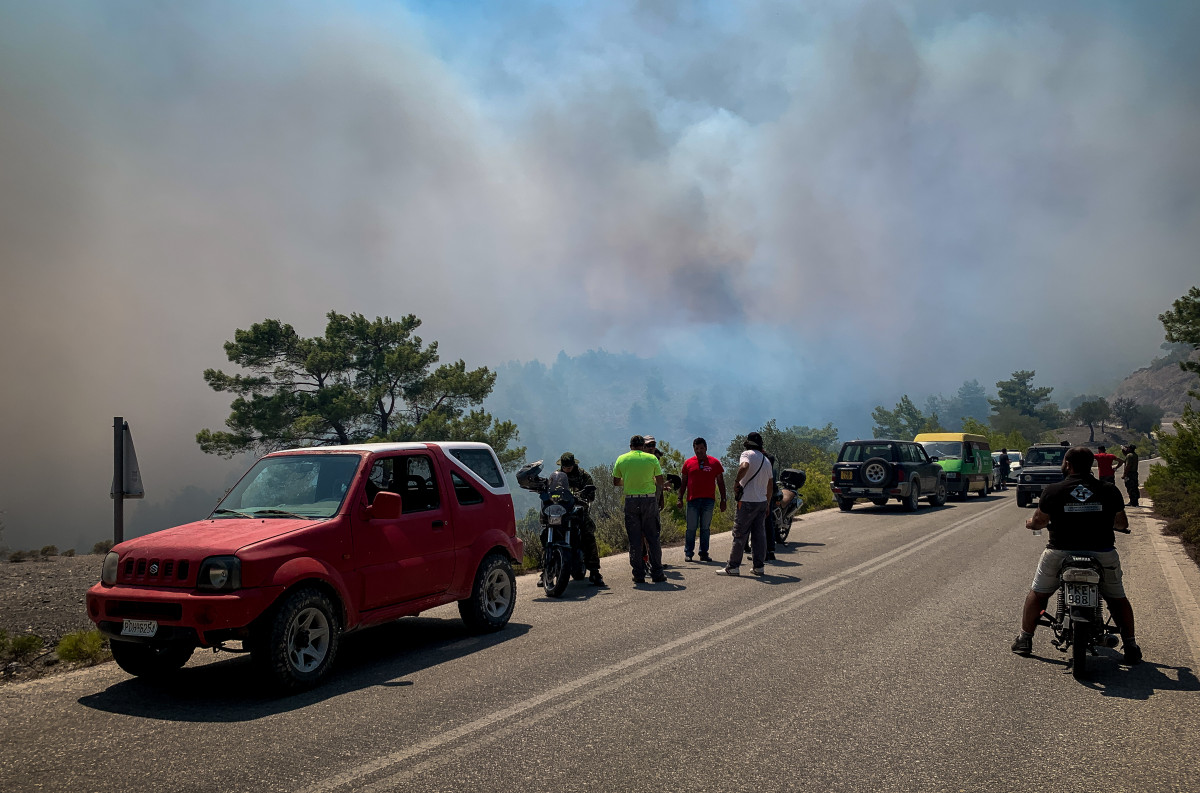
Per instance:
x=873, y=657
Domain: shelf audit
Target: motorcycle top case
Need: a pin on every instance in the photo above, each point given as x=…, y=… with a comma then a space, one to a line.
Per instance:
x=793, y=478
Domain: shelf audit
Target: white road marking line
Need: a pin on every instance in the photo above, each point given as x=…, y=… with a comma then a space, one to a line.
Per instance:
x=626, y=669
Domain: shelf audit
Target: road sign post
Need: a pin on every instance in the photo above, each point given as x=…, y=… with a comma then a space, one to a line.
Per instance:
x=127, y=477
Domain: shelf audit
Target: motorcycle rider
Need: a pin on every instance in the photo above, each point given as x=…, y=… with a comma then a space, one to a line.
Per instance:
x=1081, y=512
x=577, y=480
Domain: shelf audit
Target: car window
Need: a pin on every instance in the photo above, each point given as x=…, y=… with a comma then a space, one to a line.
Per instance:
x=906, y=453
x=409, y=475
x=481, y=462
x=304, y=485
x=919, y=454
x=858, y=452
x=463, y=491
x=943, y=450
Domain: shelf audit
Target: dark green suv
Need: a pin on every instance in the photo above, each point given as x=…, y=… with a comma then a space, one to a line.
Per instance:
x=883, y=469
x=1042, y=466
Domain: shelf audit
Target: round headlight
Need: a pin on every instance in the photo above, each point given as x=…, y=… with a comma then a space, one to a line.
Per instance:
x=218, y=575
x=108, y=571
x=1026, y=478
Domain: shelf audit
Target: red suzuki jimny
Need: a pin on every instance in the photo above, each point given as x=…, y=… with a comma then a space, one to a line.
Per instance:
x=312, y=543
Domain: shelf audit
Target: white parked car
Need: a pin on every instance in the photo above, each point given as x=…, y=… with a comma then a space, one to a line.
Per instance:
x=1014, y=464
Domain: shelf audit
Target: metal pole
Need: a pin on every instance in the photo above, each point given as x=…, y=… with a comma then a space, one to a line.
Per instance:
x=119, y=479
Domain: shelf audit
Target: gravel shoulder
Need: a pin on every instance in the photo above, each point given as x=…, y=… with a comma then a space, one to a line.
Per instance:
x=44, y=598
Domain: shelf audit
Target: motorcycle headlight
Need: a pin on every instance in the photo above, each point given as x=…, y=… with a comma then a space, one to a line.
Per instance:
x=556, y=510
x=220, y=574
x=108, y=571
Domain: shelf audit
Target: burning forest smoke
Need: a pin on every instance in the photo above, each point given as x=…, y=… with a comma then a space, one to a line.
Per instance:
x=859, y=198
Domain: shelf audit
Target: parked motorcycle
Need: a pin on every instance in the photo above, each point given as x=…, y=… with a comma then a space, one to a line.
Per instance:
x=562, y=518
x=1078, y=622
x=786, y=503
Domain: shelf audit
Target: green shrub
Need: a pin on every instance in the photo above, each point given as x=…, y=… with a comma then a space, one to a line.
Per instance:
x=16, y=556
x=1175, y=487
x=49, y=550
x=25, y=645
x=102, y=547
x=69, y=552
x=81, y=647
x=3, y=642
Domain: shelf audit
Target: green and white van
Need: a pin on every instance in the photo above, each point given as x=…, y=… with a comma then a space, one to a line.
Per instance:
x=966, y=459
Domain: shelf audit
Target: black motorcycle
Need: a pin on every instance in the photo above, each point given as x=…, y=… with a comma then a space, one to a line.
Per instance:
x=562, y=517
x=786, y=503
x=1078, y=621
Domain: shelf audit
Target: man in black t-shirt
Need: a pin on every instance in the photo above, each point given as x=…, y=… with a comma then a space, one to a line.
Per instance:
x=1081, y=512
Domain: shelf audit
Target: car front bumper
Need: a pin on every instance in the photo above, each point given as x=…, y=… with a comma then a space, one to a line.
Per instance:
x=181, y=615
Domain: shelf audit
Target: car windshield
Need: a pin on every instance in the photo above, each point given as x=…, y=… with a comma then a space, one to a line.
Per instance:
x=943, y=450
x=295, y=486
x=1013, y=457
x=1046, y=456
x=858, y=452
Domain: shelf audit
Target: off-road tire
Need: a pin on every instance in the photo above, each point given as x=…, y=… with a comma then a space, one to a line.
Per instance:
x=879, y=502
x=845, y=504
x=493, y=595
x=296, y=643
x=987, y=488
x=1022, y=499
x=912, y=502
x=938, y=498
x=150, y=661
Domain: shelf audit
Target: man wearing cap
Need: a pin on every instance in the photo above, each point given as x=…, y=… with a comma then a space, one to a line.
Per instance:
x=577, y=480
x=641, y=477
x=1131, y=474
x=1106, y=465
x=753, y=488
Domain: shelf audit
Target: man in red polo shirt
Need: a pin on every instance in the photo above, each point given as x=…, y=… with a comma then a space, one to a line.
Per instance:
x=1107, y=465
x=701, y=476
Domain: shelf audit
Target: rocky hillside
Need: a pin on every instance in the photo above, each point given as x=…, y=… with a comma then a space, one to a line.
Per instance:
x=1161, y=383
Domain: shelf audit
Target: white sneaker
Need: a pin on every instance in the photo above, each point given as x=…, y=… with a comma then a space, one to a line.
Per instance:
x=758, y=571
x=687, y=557
x=729, y=571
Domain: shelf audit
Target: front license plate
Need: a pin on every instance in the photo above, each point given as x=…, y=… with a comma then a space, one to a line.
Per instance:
x=1081, y=595
x=555, y=520
x=139, y=628
x=847, y=474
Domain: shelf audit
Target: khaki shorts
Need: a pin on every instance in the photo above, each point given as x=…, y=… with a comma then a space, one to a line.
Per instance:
x=1045, y=580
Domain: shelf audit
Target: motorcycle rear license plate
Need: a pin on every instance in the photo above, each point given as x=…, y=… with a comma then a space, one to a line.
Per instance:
x=1081, y=595
x=145, y=628
x=847, y=474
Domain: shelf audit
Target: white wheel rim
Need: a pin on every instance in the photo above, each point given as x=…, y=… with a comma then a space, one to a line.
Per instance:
x=308, y=640
x=497, y=593
x=874, y=473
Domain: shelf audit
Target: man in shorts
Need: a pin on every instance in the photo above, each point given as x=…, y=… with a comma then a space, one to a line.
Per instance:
x=1081, y=512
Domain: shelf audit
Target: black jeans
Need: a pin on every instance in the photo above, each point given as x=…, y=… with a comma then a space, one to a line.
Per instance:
x=641, y=522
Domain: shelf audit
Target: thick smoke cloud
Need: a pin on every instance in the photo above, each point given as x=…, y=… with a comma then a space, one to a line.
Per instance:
x=861, y=198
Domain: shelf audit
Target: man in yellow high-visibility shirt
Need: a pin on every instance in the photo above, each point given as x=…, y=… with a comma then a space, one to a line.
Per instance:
x=641, y=476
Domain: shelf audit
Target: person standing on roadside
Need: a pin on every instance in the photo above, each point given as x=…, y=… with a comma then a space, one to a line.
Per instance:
x=1131, y=474
x=640, y=476
x=701, y=476
x=1106, y=465
x=752, y=490
x=1004, y=466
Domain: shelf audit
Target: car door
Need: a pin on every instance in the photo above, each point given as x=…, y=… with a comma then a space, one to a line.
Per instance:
x=412, y=556
x=930, y=471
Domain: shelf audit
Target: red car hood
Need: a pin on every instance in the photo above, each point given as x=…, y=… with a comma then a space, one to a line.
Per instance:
x=214, y=537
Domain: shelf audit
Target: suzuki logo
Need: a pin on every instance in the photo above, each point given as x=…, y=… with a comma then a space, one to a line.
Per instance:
x=154, y=569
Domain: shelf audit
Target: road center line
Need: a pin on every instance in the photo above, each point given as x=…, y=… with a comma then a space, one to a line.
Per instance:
x=630, y=668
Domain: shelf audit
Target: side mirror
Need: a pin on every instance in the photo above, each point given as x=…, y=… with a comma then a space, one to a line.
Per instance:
x=588, y=494
x=934, y=459
x=385, y=507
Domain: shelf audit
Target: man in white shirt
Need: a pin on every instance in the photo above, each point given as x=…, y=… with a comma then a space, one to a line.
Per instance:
x=752, y=489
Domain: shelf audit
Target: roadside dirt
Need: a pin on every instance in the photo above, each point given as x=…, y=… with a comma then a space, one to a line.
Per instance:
x=44, y=598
